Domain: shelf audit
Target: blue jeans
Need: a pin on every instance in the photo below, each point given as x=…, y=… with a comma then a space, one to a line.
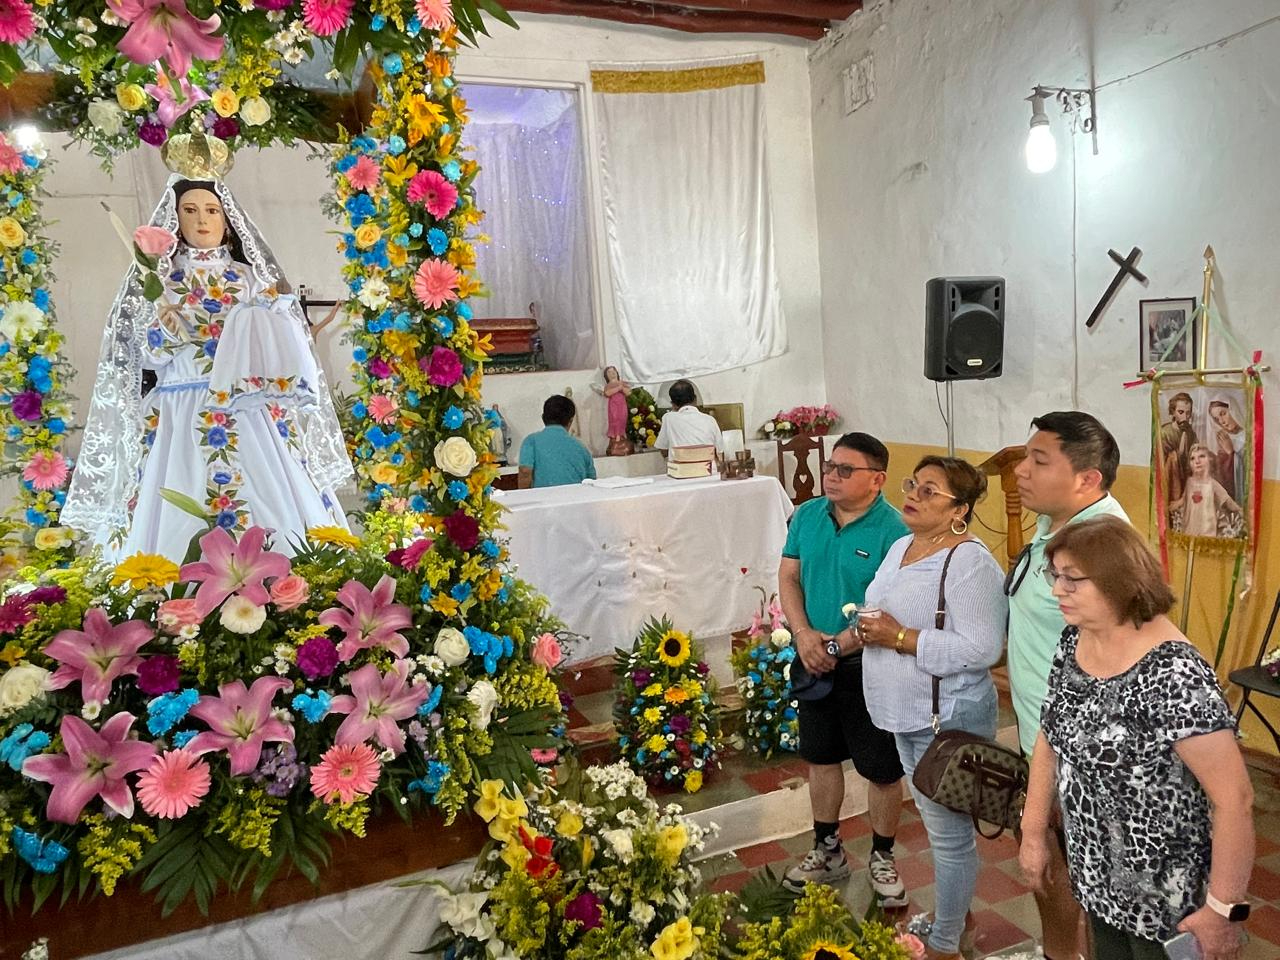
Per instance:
x=951, y=835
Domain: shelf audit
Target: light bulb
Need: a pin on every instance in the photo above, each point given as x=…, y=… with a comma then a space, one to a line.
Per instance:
x=1042, y=149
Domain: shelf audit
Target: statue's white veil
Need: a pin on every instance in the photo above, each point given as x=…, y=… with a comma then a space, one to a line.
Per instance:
x=108, y=469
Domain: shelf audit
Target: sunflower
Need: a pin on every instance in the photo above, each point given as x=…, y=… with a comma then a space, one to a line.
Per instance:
x=337, y=536
x=144, y=570
x=826, y=950
x=673, y=648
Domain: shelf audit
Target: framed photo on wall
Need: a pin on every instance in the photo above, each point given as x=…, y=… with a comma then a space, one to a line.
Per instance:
x=1167, y=334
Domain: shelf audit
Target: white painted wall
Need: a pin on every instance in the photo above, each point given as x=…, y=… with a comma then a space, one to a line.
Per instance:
x=281, y=189
x=929, y=180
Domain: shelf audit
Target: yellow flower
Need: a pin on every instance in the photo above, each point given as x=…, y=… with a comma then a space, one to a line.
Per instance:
x=512, y=809
x=51, y=538
x=656, y=743
x=675, y=942
x=826, y=950
x=693, y=781
x=131, y=96
x=569, y=824
x=337, y=536
x=225, y=101
x=398, y=171
x=652, y=715
x=367, y=234
x=442, y=604
x=11, y=233
x=423, y=116
x=515, y=856
x=144, y=570
x=675, y=695
x=671, y=843
x=12, y=654
x=673, y=648
x=700, y=737
x=504, y=829
x=400, y=343
x=397, y=255
x=588, y=852
x=486, y=807
x=384, y=473
x=652, y=690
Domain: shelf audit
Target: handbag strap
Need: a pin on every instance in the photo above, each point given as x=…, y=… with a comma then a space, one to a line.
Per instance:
x=939, y=618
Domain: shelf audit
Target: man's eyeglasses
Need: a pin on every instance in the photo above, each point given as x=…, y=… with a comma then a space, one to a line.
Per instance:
x=1069, y=584
x=925, y=492
x=845, y=470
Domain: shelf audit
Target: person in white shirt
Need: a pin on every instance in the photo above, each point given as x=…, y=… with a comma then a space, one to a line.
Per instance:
x=685, y=425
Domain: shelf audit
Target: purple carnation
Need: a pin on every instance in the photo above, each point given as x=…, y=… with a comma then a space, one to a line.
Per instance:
x=273, y=4
x=224, y=128
x=641, y=678
x=443, y=368
x=379, y=369
x=680, y=723
x=703, y=669
x=48, y=595
x=584, y=908
x=317, y=658
x=28, y=405
x=153, y=133
x=157, y=675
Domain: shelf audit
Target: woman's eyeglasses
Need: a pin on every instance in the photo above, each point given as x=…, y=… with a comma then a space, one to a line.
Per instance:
x=845, y=470
x=924, y=492
x=1069, y=584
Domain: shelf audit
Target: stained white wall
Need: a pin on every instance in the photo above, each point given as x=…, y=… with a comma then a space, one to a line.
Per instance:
x=929, y=180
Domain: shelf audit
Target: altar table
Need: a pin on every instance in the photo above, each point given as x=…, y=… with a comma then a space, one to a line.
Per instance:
x=608, y=559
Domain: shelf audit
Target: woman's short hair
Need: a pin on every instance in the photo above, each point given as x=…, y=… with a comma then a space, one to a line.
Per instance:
x=1117, y=561
x=967, y=482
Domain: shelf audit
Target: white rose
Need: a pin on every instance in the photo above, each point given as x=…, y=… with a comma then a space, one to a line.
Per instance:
x=107, y=116
x=780, y=637
x=255, y=111
x=452, y=647
x=20, y=685
x=456, y=456
x=484, y=698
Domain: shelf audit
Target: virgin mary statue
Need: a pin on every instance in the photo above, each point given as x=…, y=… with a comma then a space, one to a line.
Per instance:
x=240, y=419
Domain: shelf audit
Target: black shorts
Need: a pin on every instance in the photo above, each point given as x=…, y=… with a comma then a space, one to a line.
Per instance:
x=838, y=728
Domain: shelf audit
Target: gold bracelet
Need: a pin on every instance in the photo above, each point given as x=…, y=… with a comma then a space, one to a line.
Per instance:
x=902, y=635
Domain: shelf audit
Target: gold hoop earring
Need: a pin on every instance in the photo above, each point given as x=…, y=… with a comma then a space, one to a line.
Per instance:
x=964, y=527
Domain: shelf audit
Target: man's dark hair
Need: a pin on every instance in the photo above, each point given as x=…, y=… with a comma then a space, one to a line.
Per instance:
x=877, y=453
x=1085, y=442
x=682, y=393
x=558, y=411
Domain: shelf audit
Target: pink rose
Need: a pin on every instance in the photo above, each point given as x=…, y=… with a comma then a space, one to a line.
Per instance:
x=154, y=241
x=175, y=614
x=289, y=592
x=546, y=651
x=912, y=944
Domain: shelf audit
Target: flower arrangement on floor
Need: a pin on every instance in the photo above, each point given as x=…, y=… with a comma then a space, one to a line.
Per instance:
x=135, y=70
x=35, y=414
x=643, y=422
x=814, y=421
x=818, y=926
x=762, y=669
x=593, y=870
x=667, y=722
x=210, y=725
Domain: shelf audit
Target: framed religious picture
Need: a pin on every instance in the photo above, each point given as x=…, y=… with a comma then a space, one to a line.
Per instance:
x=1204, y=459
x=1167, y=334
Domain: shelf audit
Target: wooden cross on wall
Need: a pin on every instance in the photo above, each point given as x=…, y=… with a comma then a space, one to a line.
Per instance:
x=1127, y=268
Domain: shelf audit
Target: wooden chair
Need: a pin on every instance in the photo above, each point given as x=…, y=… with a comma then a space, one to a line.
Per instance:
x=803, y=478
x=1255, y=679
x=1001, y=465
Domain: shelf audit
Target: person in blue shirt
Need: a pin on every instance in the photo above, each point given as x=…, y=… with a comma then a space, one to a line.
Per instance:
x=552, y=457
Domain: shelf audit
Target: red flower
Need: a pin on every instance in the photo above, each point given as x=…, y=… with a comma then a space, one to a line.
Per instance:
x=541, y=863
x=462, y=530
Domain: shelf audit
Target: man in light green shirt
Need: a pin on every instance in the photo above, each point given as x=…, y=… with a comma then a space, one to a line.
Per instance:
x=1066, y=477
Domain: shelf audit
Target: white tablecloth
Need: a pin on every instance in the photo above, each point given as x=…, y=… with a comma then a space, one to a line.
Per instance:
x=608, y=559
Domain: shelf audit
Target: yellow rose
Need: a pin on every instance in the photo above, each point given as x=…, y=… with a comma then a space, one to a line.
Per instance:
x=11, y=232
x=131, y=96
x=225, y=101
x=384, y=473
x=255, y=111
x=51, y=538
x=367, y=234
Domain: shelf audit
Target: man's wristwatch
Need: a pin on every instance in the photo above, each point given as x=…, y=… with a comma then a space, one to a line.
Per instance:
x=1235, y=912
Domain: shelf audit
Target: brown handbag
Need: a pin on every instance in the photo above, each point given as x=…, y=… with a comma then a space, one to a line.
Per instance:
x=968, y=773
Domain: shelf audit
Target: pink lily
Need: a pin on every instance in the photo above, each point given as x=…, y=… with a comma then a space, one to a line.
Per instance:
x=381, y=699
x=171, y=108
x=94, y=765
x=370, y=620
x=228, y=567
x=97, y=655
x=775, y=614
x=166, y=29
x=241, y=722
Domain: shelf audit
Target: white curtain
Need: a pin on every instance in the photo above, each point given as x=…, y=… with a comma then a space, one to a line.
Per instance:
x=688, y=219
x=533, y=192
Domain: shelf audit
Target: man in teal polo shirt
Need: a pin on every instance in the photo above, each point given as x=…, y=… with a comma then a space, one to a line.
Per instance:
x=1066, y=477
x=834, y=547
x=552, y=457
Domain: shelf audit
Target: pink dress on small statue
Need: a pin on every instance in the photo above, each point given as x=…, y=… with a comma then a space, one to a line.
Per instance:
x=618, y=414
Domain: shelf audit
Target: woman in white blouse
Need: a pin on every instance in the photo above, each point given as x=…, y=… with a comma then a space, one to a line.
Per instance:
x=905, y=650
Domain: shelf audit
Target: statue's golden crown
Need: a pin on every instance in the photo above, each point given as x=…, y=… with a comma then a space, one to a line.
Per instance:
x=197, y=156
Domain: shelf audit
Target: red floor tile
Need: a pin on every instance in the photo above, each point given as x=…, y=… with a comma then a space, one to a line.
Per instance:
x=1264, y=885
x=855, y=827
x=912, y=836
x=996, y=933
x=1264, y=924
x=757, y=856
x=997, y=886
x=767, y=780
x=915, y=872
x=995, y=851
x=731, y=882
x=1265, y=846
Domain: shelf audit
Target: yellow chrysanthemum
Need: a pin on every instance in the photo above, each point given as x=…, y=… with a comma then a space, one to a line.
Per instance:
x=656, y=743
x=673, y=648
x=652, y=715
x=826, y=950
x=693, y=781
x=335, y=536
x=652, y=690
x=144, y=570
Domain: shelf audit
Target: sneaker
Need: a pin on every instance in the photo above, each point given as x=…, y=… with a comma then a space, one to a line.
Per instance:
x=885, y=880
x=820, y=865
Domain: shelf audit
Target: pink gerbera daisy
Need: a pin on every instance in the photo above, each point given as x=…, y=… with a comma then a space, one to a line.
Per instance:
x=345, y=772
x=436, y=283
x=175, y=782
x=434, y=192
x=382, y=408
x=324, y=18
x=364, y=174
x=10, y=157
x=17, y=24
x=46, y=471
x=435, y=14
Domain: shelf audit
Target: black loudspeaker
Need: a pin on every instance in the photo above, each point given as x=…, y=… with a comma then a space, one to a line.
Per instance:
x=964, y=328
